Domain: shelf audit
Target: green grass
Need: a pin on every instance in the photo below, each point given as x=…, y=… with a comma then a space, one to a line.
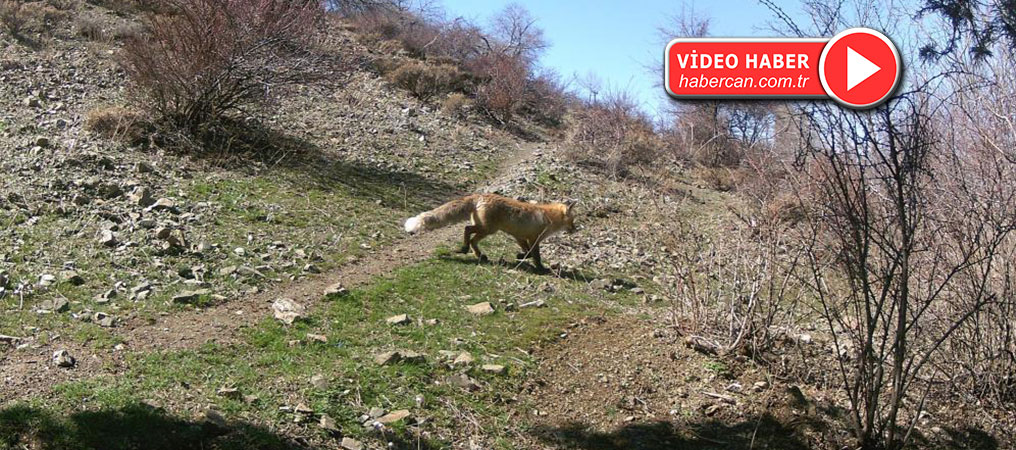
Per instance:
x=269, y=366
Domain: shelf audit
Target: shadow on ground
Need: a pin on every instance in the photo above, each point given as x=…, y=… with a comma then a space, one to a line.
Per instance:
x=567, y=274
x=132, y=427
x=141, y=427
x=253, y=146
x=766, y=432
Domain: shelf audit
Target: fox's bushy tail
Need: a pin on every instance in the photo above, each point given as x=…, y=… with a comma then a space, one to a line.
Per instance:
x=453, y=212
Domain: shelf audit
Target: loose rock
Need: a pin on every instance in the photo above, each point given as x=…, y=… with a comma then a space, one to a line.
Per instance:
x=189, y=297
x=393, y=417
x=481, y=309
x=63, y=358
x=214, y=418
x=107, y=238
x=104, y=320
x=349, y=443
x=229, y=392
x=401, y=319
x=328, y=424
x=494, y=369
x=287, y=310
x=335, y=289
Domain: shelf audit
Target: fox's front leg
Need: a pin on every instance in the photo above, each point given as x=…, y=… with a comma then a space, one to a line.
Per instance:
x=526, y=247
x=536, y=258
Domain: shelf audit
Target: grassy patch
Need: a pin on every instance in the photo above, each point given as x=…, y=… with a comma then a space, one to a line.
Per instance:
x=275, y=363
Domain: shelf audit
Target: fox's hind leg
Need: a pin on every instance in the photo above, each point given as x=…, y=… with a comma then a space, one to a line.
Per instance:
x=478, y=235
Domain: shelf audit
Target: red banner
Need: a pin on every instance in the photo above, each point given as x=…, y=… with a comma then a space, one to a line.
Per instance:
x=744, y=68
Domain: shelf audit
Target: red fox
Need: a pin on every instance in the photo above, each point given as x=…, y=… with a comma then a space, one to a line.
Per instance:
x=528, y=223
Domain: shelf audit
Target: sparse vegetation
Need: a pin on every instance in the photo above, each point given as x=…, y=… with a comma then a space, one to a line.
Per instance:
x=13, y=16
x=427, y=81
x=113, y=122
x=745, y=275
x=88, y=27
x=210, y=58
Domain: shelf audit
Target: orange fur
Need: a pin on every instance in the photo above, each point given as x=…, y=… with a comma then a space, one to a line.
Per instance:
x=528, y=223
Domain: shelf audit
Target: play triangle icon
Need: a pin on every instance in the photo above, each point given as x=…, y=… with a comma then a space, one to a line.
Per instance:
x=859, y=68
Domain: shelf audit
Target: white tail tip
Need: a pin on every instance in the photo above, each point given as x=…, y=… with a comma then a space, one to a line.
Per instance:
x=414, y=224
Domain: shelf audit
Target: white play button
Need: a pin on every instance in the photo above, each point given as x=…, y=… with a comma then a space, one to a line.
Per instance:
x=859, y=68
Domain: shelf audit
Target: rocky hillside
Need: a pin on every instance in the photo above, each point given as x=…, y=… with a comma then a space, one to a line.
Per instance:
x=155, y=297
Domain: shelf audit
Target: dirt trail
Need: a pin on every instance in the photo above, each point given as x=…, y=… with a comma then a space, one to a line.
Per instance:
x=30, y=372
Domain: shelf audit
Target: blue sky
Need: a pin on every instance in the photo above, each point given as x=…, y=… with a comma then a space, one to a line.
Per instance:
x=617, y=39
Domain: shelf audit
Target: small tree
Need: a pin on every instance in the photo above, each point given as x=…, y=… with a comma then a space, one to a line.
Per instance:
x=895, y=275
x=208, y=58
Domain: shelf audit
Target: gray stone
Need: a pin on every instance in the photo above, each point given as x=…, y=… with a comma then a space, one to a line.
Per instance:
x=46, y=279
x=107, y=238
x=328, y=424
x=142, y=197
x=401, y=319
x=63, y=358
x=214, y=417
x=163, y=204
x=104, y=320
x=319, y=381
x=394, y=416
x=496, y=369
x=287, y=310
x=463, y=381
x=335, y=289
x=481, y=309
x=188, y=297
x=349, y=443
x=56, y=305
x=229, y=392
x=463, y=358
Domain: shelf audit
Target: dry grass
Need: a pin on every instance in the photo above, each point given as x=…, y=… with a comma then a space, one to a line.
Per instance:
x=112, y=122
x=13, y=16
x=456, y=105
x=427, y=81
x=89, y=27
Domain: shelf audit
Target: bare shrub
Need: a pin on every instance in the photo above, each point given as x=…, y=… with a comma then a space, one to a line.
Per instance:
x=126, y=31
x=13, y=16
x=498, y=61
x=515, y=34
x=48, y=16
x=717, y=178
x=212, y=57
x=425, y=80
x=975, y=189
x=612, y=133
x=547, y=101
x=63, y=5
x=135, y=6
x=896, y=276
x=89, y=27
x=503, y=90
x=739, y=293
x=413, y=32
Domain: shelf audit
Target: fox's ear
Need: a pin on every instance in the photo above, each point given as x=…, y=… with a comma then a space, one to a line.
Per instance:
x=569, y=207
